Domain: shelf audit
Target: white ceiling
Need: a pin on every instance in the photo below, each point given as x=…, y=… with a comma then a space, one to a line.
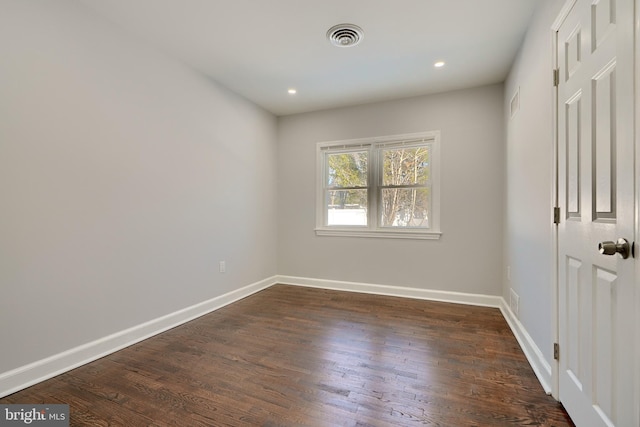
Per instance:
x=261, y=48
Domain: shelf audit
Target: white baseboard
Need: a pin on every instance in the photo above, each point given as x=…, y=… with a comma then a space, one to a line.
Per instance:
x=395, y=291
x=536, y=359
x=25, y=376
x=33, y=373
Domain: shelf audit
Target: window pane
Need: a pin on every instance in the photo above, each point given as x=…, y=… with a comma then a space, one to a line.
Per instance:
x=347, y=169
x=405, y=207
x=347, y=207
x=405, y=166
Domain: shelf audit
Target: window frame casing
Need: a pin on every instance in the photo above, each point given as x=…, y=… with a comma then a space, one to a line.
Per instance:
x=375, y=145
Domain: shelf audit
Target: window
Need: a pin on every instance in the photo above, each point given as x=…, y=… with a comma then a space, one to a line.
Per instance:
x=379, y=187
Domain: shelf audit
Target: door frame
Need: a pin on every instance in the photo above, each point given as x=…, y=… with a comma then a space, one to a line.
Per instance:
x=555, y=365
x=555, y=321
x=636, y=131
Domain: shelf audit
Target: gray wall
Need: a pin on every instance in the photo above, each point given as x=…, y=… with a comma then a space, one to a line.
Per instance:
x=529, y=184
x=124, y=179
x=468, y=256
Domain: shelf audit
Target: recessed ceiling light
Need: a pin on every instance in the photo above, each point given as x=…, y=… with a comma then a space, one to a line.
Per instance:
x=292, y=91
x=439, y=64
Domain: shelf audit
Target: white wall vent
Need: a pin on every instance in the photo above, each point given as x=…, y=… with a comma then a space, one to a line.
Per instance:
x=515, y=103
x=345, y=35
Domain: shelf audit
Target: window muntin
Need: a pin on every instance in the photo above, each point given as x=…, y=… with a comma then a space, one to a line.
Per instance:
x=380, y=187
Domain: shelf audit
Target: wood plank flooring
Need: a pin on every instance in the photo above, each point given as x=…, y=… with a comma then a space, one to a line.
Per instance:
x=293, y=356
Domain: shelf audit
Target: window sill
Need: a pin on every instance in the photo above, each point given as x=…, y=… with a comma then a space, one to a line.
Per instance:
x=385, y=234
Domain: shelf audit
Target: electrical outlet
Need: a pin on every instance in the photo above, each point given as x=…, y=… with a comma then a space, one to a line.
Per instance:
x=514, y=302
x=509, y=273
x=223, y=266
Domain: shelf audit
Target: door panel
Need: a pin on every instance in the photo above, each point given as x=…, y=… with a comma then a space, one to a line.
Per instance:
x=574, y=350
x=603, y=320
x=596, y=194
x=573, y=141
x=604, y=161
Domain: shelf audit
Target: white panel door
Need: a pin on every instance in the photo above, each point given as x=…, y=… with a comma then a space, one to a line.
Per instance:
x=596, y=195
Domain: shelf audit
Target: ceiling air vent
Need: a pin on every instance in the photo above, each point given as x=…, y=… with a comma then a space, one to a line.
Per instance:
x=345, y=35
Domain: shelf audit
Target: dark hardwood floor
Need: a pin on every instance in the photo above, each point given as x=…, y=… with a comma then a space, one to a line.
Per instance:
x=293, y=356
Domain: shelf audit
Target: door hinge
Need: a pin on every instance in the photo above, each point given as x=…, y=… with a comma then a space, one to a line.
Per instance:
x=556, y=215
x=556, y=351
x=556, y=76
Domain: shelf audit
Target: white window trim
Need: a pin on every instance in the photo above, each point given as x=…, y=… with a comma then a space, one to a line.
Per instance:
x=433, y=233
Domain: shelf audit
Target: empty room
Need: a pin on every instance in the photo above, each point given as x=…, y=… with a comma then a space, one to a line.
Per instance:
x=319, y=213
